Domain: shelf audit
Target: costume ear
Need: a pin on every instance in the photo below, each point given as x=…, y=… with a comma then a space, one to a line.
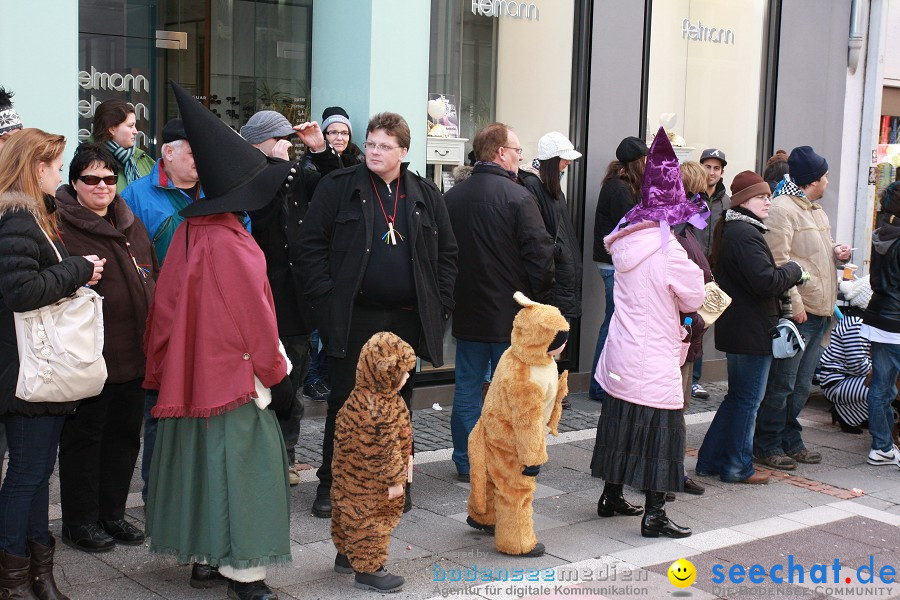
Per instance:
x=523, y=300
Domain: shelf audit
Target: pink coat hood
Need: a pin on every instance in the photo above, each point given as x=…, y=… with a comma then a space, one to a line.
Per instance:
x=641, y=361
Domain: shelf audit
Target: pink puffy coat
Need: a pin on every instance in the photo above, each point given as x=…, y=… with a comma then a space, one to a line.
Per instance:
x=641, y=361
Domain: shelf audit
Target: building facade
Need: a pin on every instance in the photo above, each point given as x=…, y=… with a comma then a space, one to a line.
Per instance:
x=745, y=76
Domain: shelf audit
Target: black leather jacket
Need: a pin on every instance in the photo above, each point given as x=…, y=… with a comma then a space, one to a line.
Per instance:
x=883, y=311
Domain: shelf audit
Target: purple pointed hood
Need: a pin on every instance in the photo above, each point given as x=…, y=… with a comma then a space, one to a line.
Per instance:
x=662, y=193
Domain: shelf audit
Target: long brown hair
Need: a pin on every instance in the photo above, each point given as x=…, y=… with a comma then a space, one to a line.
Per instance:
x=110, y=113
x=19, y=168
x=716, y=246
x=632, y=173
x=549, y=171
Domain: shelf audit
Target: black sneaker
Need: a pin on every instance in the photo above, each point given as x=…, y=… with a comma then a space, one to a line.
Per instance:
x=379, y=581
x=123, y=532
x=321, y=507
x=317, y=392
x=692, y=487
x=88, y=538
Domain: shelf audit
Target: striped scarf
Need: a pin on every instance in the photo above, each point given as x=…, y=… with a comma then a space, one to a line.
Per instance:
x=125, y=156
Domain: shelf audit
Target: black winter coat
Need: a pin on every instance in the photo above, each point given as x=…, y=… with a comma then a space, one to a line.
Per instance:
x=276, y=228
x=335, y=241
x=503, y=248
x=566, y=291
x=127, y=291
x=883, y=311
x=746, y=271
x=614, y=201
x=30, y=277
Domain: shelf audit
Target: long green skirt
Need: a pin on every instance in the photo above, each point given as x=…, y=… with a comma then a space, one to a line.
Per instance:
x=219, y=490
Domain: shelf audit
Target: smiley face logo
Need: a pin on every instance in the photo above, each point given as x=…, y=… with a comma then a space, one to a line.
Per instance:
x=682, y=573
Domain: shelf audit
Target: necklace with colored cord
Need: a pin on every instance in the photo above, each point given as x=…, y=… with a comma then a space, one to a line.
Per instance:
x=391, y=236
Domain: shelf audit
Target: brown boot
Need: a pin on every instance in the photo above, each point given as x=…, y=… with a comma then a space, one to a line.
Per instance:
x=14, y=581
x=41, y=571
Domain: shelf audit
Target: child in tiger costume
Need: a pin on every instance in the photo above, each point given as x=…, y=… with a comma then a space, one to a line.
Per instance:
x=372, y=446
x=508, y=444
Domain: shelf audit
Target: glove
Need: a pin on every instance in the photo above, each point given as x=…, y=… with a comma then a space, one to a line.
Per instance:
x=804, y=277
x=532, y=471
x=282, y=396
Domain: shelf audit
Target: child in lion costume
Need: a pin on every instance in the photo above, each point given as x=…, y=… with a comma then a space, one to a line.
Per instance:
x=508, y=444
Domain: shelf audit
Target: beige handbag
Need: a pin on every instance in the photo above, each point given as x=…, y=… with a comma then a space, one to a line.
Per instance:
x=61, y=348
x=714, y=304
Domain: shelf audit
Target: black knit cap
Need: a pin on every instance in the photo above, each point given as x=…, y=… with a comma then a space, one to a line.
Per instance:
x=805, y=166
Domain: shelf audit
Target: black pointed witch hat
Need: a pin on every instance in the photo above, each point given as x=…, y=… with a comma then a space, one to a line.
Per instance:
x=234, y=175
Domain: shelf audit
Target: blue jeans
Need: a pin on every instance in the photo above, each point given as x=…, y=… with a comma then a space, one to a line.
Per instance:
x=472, y=361
x=318, y=360
x=727, y=449
x=149, y=439
x=882, y=391
x=777, y=429
x=596, y=392
x=698, y=370
x=25, y=494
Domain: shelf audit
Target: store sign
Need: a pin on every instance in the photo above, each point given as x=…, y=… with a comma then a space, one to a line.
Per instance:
x=702, y=33
x=101, y=83
x=506, y=8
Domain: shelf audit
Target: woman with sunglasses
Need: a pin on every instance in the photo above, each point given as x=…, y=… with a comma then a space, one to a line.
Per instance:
x=100, y=442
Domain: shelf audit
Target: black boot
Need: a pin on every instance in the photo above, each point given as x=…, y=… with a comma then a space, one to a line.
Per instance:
x=322, y=504
x=254, y=590
x=15, y=583
x=612, y=502
x=655, y=522
x=206, y=576
x=379, y=581
x=42, y=582
x=407, y=497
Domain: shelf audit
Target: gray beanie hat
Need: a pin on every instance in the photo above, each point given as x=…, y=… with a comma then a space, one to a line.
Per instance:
x=266, y=124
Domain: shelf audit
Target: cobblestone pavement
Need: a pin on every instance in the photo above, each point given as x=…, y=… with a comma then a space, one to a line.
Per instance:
x=432, y=427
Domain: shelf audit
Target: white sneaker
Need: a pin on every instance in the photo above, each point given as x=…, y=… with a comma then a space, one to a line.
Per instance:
x=879, y=457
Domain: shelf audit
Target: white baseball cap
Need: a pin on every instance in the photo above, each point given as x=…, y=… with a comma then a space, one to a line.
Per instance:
x=556, y=144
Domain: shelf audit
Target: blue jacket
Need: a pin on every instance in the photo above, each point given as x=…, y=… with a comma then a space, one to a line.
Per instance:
x=156, y=201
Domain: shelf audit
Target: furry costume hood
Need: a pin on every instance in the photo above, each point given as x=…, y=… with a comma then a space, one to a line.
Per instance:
x=534, y=328
x=382, y=362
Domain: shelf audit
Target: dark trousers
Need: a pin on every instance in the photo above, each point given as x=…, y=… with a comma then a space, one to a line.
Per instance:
x=365, y=322
x=97, y=453
x=297, y=349
x=25, y=494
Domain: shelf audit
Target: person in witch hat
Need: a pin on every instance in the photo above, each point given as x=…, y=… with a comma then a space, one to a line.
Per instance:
x=10, y=123
x=639, y=436
x=219, y=490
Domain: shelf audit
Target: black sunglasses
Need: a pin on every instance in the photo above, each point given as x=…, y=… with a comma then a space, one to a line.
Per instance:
x=109, y=180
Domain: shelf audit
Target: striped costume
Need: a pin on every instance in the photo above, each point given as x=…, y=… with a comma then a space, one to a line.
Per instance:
x=843, y=369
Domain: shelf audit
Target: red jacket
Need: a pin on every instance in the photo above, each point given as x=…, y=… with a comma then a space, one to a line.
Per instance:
x=212, y=324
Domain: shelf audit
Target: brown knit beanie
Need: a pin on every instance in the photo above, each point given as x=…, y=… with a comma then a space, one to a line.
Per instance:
x=778, y=156
x=746, y=185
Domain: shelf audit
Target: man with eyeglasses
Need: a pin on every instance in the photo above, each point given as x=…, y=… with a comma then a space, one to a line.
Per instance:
x=276, y=227
x=377, y=253
x=504, y=249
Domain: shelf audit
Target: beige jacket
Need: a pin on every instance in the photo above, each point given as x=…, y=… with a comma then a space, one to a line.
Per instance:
x=799, y=231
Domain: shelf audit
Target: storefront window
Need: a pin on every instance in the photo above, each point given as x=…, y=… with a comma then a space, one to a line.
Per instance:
x=705, y=74
x=236, y=56
x=502, y=61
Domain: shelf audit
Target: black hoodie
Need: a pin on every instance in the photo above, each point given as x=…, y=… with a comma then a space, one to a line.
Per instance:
x=883, y=311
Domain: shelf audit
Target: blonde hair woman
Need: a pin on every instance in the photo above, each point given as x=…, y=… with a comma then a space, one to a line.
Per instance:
x=31, y=276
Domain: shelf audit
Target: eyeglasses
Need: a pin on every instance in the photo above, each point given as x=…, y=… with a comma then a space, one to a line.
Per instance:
x=109, y=180
x=379, y=147
x=518, y=150
x=333, y=133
